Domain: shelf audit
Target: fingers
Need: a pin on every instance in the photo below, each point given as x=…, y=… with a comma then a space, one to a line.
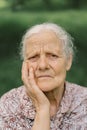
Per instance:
x=32, y=78
x=28, y=76
x=25, y=73
x=32, y=90
x=25, y=78
x=29, y=79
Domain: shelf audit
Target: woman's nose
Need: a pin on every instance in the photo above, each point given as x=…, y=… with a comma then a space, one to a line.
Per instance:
x=43, y=63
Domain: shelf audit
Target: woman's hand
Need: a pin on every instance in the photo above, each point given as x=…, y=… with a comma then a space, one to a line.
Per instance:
x=39, y=99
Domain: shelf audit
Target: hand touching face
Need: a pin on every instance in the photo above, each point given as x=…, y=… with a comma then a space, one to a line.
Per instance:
x=44, y=52
x=32, y=89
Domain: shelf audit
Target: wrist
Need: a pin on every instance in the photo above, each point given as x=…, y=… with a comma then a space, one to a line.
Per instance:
x=42, y=119
x=43, y=111
x=43, y=108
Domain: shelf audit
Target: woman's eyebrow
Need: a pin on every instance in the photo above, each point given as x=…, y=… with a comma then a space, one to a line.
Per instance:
x=32, y=53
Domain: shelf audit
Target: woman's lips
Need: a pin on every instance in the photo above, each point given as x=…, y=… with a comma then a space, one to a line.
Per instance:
x=44, y=76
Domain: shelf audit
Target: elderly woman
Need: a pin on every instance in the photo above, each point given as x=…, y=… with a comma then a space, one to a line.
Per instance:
x=46, y=101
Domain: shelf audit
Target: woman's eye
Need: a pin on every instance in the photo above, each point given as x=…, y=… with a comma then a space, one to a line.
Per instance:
x=53, y=56
x=33, y=58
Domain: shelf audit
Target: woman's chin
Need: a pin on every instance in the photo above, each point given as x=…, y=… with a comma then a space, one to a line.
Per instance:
x=45, y=87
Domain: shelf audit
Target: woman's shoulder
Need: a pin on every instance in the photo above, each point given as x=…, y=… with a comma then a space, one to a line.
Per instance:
x=13, y=93
x=10, y=101
x=15, y=109
x=77, y=107
x=76, y=89
x=78, y=94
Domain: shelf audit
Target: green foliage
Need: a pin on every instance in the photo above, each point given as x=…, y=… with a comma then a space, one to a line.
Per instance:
x=10, y=74
x=3, y=3
x=13, y=26
x=42, y=5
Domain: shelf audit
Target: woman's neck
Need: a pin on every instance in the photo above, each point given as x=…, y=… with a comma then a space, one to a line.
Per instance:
x=55, y=97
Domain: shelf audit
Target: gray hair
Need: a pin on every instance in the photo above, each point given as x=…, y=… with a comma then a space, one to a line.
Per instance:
x=66, y=39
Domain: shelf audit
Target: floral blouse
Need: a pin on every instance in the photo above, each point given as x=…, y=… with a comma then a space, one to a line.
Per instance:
x=17, y=111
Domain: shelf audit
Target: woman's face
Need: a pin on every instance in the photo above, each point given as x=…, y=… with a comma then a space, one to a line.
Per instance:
x=45, y=54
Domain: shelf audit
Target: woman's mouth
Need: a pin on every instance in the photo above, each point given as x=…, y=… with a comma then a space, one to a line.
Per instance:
x=44, y=77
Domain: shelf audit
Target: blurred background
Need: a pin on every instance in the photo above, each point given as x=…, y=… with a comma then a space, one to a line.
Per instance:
x=18, y=15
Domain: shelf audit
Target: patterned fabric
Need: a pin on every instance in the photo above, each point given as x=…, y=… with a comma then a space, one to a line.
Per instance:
x=17, y=111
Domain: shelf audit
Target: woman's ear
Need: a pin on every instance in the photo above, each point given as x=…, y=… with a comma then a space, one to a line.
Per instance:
x=69, y=63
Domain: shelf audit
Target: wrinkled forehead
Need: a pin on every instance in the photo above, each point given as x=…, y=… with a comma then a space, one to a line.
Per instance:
x=44, y=39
